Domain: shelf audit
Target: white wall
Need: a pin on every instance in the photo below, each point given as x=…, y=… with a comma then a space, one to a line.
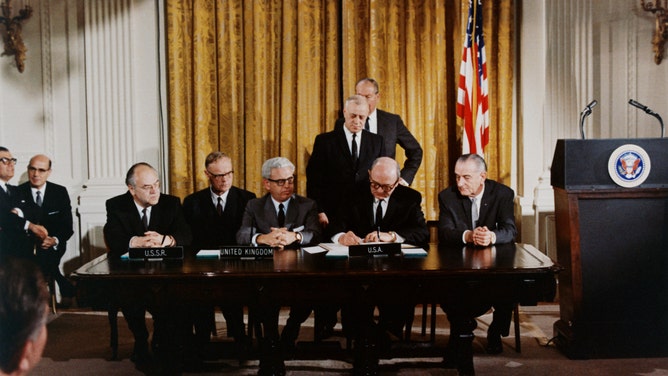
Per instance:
x=89, y=99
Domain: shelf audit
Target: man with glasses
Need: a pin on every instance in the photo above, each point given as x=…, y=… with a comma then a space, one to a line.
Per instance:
x=15, y=229
x=53, y=211
x=214, y=215
x=144, y=217
x=280, y=219
x=381, y=210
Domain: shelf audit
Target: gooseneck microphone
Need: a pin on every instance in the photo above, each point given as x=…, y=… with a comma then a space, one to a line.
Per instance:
x=647, y=111
x=583, y=115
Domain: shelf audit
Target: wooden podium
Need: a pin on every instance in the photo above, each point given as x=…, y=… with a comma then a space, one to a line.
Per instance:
x=612, y=241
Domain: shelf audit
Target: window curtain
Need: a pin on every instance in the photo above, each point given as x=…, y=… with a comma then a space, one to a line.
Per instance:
x=261, y=78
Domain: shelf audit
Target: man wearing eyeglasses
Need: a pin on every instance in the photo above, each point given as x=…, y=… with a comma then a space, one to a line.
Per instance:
x=15, y=230
x=280, y=219
x=53, y=211
x=381, y=210
x=144, y=217
x=214, y=215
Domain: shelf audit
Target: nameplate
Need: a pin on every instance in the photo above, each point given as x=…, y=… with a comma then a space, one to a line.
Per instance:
x=156, y=253
x=247, y=252
x=374, y=249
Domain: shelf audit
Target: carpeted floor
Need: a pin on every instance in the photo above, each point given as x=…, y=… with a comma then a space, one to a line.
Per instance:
x=78, y=344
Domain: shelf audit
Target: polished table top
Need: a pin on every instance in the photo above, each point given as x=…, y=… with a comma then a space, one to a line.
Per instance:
x=499, y=259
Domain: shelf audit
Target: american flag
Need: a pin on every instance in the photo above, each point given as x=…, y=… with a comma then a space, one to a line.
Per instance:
x=472, y=96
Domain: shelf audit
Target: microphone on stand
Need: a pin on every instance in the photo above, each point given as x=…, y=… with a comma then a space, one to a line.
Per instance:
x=648, y=111
x=583, y=115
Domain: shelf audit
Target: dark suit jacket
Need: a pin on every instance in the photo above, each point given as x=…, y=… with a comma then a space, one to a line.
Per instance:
x=260, y=216
x=403, y=215
x=496, y=212
x=331, y=172
x=14, y=241
x=394, y=132
x=210, y=230
x=55, y=214
x=124, y=222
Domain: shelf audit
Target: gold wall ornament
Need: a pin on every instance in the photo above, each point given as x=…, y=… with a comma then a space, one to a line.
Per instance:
x=660, y=10
x=12, y=35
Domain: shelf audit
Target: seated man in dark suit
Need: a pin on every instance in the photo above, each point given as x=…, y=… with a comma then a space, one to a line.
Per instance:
x=214, y=215
x=278, y=219
x=54, y=211
x=381, y=210
x=144, y=217
x=476, y=211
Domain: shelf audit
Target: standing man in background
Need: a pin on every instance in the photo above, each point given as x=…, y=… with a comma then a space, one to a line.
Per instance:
x=391, y=127
x=15, y=230
x=214, y=215
x=55, y=214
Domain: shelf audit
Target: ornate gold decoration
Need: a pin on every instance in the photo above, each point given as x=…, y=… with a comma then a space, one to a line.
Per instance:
x=660, y=10
x=12, y=36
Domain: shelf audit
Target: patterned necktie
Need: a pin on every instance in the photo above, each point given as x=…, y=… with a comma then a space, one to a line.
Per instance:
x=219, y=207
x=38, y=199
x=366, y=125
x=281, y=215
x=144, y=219
x=474, y=213
x=379, y=213
x=354, y=149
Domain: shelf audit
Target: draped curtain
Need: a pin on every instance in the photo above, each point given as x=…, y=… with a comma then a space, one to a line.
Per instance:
x=261, y=78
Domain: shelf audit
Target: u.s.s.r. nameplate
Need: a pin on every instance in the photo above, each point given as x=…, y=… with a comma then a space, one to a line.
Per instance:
x=246, y=252
x=156, y=253
x=374, y=249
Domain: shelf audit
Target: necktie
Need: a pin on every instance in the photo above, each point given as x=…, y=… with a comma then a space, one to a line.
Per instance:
x=354, y=148
x=281, y=215
x=144, y=219
x=38, y=199
x=474, y=213
x=219, y=207
x=379, y=213
x=366, y=125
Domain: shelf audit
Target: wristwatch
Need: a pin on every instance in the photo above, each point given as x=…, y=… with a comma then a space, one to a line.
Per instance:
x=299, y=237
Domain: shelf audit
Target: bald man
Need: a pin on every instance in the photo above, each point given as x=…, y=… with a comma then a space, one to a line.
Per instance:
x=54, y=212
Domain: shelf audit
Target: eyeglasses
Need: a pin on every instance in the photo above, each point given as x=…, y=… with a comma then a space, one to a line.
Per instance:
x=8, y=161
x=220, y=176
x=384, y=187
x=35, y=169
x=281, y=182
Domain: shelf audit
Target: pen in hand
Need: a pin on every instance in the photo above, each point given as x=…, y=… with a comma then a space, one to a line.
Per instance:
x=163, y=240
x=378, y=232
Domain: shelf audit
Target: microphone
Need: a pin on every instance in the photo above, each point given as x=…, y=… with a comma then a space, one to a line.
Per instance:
x=647, y=110
x=583, y=115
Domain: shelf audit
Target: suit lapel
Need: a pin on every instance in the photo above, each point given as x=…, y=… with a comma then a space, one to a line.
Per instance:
x=466, y=207
x=232, y=200
x=270, y=212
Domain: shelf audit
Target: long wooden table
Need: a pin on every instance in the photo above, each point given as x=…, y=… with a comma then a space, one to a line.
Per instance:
x=513, y=273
